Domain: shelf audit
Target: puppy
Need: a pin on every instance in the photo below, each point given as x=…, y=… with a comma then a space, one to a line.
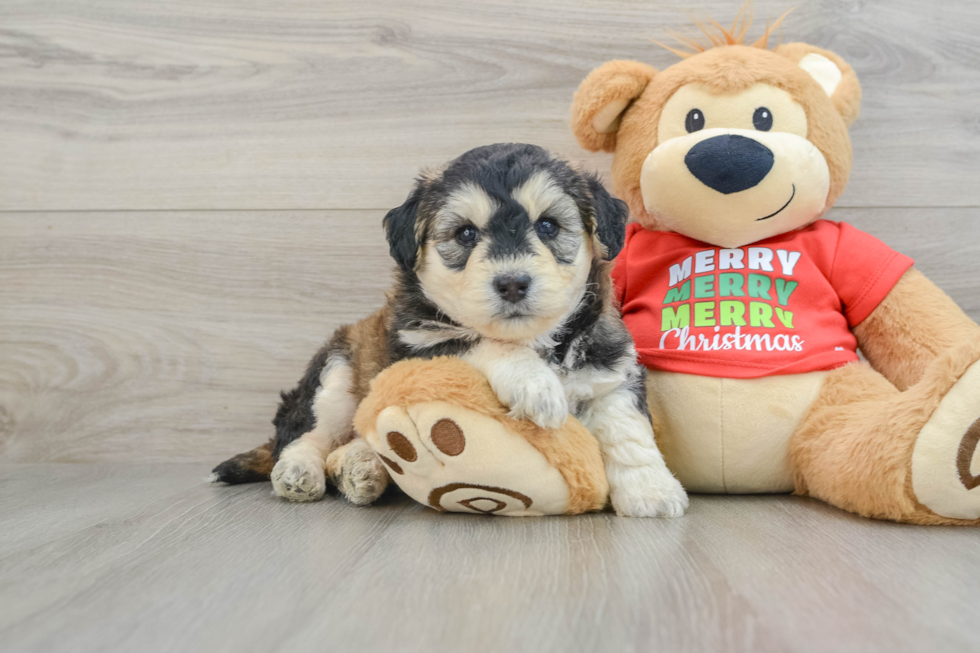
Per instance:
x=502, y=261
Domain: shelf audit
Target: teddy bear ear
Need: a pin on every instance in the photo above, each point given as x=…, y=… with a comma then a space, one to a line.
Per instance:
x=833, y=74
x=602, y=98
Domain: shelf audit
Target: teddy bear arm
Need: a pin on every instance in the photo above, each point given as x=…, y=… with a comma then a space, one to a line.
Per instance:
x=913, y=325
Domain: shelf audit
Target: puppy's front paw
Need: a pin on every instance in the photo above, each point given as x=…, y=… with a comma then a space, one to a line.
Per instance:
x=539, y=398
x=647, y=492
x=299, y=478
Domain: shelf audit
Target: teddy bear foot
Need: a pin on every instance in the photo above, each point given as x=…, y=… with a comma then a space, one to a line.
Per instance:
x=946, y=456
x=457, y=460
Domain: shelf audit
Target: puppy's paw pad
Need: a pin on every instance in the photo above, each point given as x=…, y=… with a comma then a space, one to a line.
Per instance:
x=362, y=478
x=634, y=505
x=299, y=479
x=537, y=395
x=546, y=407
x=652, y=495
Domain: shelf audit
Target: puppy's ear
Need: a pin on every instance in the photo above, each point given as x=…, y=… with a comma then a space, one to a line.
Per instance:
x=602, y=98
x=401, y=229
x=611, y=216
x=835, y=76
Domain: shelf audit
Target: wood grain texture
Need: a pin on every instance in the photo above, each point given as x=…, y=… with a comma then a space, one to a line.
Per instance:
x=148, y=558
x=190, y=202
x=169, y=327
x=221, y=104
x=167, y=336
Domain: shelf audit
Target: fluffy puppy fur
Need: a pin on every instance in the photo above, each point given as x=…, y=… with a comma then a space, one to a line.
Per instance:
x=503, y=260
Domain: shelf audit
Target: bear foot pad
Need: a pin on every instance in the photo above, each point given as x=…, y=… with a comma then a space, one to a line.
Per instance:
x=946, y=457
x=456, y=460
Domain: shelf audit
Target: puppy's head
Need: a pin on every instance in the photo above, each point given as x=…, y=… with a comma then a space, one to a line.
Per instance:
x=502, y=239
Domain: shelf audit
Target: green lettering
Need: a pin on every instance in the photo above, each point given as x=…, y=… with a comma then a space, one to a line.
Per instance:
x=784, y=289
x=704, y=314
x=759, y=285
x=730, y=284
x=732, y=313
x=671, y=319
x=760, y=315
x=681, y=294
x=786, y=317
x=704, y=287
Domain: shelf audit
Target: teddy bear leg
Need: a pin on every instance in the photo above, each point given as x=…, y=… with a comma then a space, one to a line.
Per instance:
x=910, y=456
x=456, y=460
x=448, y=443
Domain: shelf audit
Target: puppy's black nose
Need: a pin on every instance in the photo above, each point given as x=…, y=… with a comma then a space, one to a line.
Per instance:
x=729, y=163
x=512, y=287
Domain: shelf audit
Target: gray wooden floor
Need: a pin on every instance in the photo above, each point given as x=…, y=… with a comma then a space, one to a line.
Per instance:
x=110, y=557
x=190, y=202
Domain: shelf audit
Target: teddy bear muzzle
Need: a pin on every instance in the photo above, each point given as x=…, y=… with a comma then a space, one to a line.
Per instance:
x=729, y=163
x=731, y=187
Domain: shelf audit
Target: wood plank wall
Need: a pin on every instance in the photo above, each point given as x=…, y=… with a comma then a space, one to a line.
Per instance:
x=191, y=193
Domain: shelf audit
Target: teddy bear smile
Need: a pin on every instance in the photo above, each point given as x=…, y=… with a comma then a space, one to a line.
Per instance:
x=773, y=215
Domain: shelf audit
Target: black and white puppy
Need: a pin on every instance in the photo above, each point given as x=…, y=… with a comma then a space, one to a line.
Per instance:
x=503, y=260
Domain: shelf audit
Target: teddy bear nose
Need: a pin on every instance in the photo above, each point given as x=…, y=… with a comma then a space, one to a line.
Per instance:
x=729, y=163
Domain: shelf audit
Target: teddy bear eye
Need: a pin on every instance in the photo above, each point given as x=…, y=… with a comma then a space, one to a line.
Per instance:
x=694, y=121
x=762, y=119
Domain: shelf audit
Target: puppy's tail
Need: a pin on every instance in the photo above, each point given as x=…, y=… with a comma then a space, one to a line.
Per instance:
x=249, y=467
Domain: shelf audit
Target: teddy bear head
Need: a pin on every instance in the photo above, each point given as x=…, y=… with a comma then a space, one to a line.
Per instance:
x=732, y=145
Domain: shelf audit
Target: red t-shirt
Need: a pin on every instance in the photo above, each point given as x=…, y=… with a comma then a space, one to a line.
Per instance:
x=780, y=306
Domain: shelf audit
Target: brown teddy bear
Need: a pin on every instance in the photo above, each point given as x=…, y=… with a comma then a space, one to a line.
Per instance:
x=747, y=307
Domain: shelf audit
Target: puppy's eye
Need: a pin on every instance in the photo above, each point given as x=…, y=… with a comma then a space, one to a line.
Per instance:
x=546, y=228
x=762, y=119
x=694, y=121
x=467, y=235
